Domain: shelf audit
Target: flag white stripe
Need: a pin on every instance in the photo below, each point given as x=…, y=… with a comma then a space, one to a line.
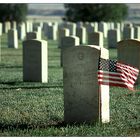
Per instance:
x=123, y=66
x=128, y=68
x=118, y=74
x=128, y=74
x=115, y=82
x=118, y=78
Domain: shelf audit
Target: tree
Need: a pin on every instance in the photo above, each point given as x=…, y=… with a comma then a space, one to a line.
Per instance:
x=13, y=12
x=95, y=12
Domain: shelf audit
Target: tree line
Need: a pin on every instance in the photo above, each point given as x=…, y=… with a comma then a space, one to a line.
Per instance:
x=74, y=12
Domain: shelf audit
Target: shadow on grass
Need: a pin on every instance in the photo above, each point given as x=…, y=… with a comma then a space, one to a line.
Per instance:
x=3, y=66
x=23, y=126
x=15, y=85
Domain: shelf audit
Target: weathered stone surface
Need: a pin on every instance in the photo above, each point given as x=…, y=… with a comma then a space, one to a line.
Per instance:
x=35, y=61
x=62, y=32
x=29, y=26
x=84, y=99
x=114, y=36
x=6, y=26
x=96, y=38
x=102, y=27
x=12, y=38
x=128, y=32
x=137, y=32
x=66, y=42
x=0, y=28
x=21, y=31
x=51, y=32
x=32, y=35
x=81, y=33
x=129, y=53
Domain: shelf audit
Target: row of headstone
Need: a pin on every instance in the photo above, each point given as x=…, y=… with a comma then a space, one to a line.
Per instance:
x=51, y=30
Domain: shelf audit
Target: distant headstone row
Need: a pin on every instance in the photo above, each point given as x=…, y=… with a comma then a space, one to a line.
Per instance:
x=113, y=32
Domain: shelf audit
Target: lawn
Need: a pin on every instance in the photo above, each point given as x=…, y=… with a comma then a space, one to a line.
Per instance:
x=36, y=109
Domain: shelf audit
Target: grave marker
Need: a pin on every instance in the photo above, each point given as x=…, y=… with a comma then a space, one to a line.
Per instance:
x=66, y=42
x=12, y=38
x=96, y=38
x=113, y=38
x=35, y=61
x=129, y=53
x=84, y=99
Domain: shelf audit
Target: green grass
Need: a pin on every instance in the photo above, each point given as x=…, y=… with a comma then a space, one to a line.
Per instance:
x=36, y=109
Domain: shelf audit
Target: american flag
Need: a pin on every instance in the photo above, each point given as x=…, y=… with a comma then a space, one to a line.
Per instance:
x=113, y=73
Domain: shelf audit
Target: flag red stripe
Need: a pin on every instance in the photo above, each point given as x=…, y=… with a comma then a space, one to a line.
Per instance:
x=128, y=75
x=128, y=67
x=114, y=79
x=112, y=84
x=118, y=75
x=128, y=72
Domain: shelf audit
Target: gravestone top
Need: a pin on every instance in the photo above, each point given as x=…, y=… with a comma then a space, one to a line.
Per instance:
x=129, y=42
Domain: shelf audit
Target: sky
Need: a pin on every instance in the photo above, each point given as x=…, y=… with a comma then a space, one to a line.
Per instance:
x=61, y=5
x=47, y=6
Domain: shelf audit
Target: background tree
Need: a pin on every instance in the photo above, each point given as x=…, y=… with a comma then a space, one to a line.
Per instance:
x=95, y=12
x=13, y=12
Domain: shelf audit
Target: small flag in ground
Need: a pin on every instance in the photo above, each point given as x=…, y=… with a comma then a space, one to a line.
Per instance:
x=113, y=73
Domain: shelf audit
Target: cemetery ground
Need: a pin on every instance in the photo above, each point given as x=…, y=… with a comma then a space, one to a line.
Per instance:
x=37, y=109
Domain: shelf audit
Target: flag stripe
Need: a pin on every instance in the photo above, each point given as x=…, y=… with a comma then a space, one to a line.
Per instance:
x=116, y=82
x=116, y=74
x=115, y=79
x=127, y=69
x=118, y=85
x=130, y=67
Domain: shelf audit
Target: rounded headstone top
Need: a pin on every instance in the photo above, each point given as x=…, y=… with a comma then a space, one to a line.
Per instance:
x=129, y=42
x=90, y=46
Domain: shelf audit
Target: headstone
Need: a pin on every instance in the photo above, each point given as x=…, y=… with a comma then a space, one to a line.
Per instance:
x=12, y=38
x=39, y=31
x=128, y=52
x=79, y=24
x=128, y=33
x=6, y=26
x=113, y=38
x=32, y=35
x=0, y=49
x=0, y=28
x=81, y=33
x=117, y=26
x=102, y=27
x=95, y=26
x=66, y=42
x=84, y=99
x=51, y=32
x=110, y=25
x=35, y=61
x=72, y=28
x=137, y=32
x=29, y=26
x=96, y=38
x=13, y=25
x=21, y=31
x=62, y=32
x=89, y=28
